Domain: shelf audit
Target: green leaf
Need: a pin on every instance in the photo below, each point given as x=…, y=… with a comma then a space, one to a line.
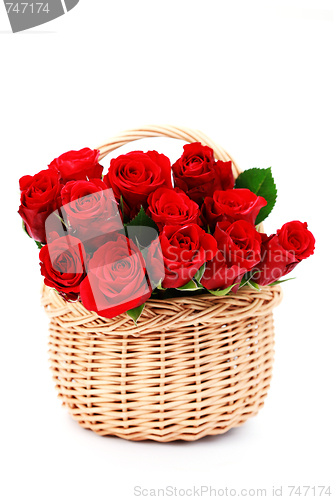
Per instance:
x=247, y=277
x=253, y=285
x=260, y=181
x=142, y=219
x=198, y=275
x=136, y=312
x=159, y=286
x=138, y=231
x=38, y=243
x=190, y=286
x=281, y=281
x=220, y=293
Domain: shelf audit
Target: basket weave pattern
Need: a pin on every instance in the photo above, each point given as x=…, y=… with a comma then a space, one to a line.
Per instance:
x=193, y=366
x=200, y=366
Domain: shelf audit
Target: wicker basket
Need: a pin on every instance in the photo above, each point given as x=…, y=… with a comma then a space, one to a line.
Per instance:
x=194, y=366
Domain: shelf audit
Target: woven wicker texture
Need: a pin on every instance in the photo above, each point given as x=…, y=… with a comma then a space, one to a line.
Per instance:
x=193, y=366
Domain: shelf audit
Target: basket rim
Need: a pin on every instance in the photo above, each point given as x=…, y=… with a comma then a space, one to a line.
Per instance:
x=161, y=315
x=184, y=298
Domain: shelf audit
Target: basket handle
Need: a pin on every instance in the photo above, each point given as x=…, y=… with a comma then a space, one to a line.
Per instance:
x=182, y=133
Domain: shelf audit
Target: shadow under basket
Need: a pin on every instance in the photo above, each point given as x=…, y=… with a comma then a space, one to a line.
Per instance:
x=193, y=366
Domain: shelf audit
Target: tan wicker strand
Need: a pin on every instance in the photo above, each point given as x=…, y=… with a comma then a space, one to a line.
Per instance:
x=182, y=133
x=193, y=366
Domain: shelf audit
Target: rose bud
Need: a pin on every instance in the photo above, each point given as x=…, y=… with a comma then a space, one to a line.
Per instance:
x=78, y=165
x=295, y=237
x=172, y=207
x=135, y=175
x=281, y=252
x=199, y=175
x=116, y=280
x=62, y=263
x=40, y=196
x=185, y=249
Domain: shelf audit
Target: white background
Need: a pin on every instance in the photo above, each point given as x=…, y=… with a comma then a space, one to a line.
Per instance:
x=255, y=76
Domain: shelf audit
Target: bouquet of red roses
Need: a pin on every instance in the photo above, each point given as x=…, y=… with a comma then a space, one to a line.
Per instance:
x=147, y=228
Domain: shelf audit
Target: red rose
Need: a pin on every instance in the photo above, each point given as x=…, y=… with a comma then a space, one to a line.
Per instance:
x=297, y=239
x=220, y=275
x=239, y=242
x=275, y=261
x=185, y=249
x=78, y=165
x=199, y=175
x=135, y=175
x=40, y=196
x=232, y=204
x=281, y=252
x=154, y=263
x=62, y=263
x=116, y=280
x=91, y=212
x=173, y=207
